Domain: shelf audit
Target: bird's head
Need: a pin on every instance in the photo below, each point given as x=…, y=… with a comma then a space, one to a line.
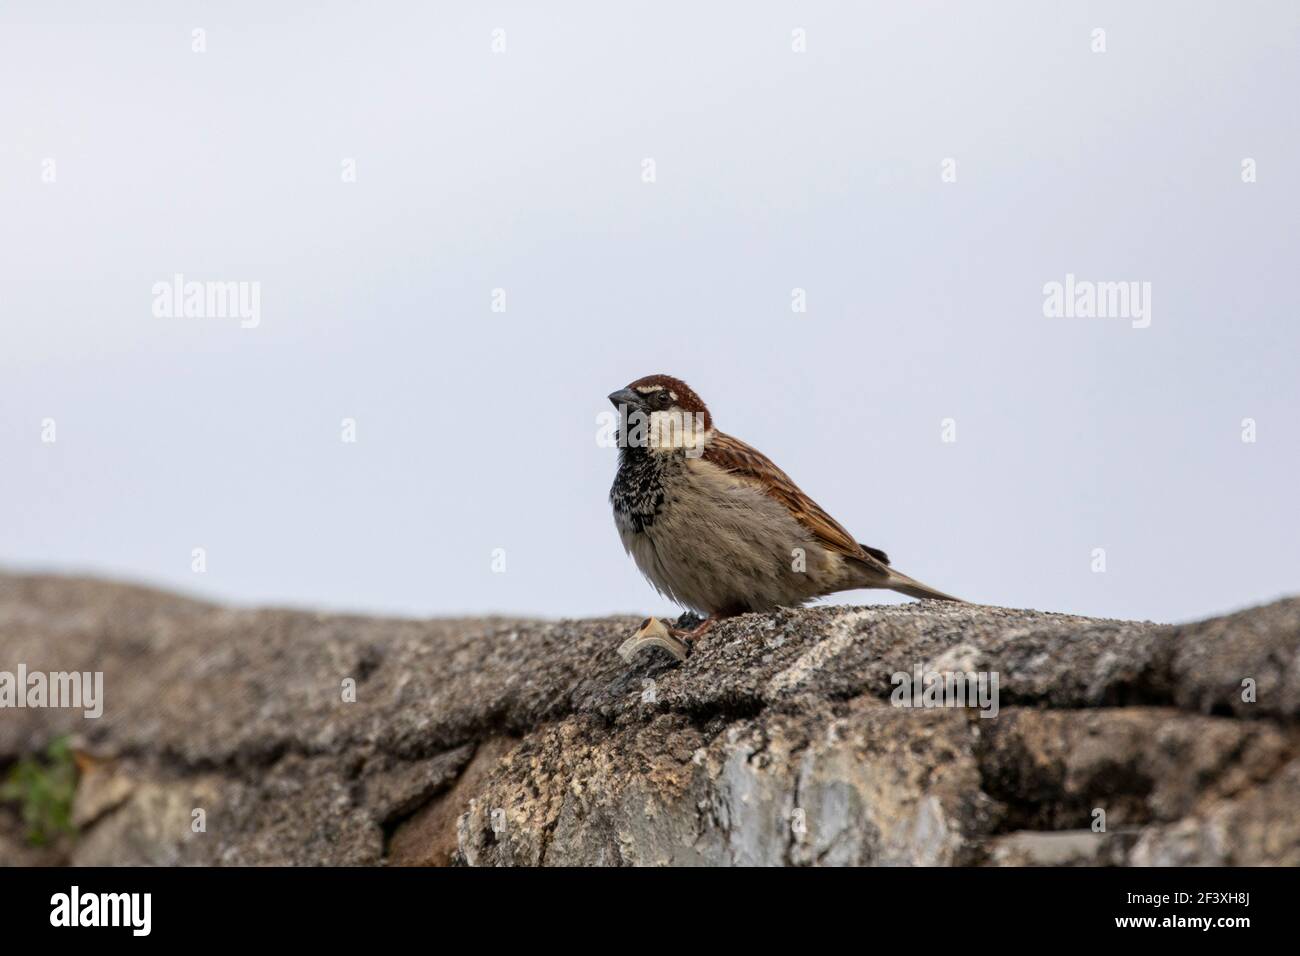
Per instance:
x=667, y=411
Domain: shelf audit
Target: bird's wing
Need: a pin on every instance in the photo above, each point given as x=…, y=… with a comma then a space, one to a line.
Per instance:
x=749, y=464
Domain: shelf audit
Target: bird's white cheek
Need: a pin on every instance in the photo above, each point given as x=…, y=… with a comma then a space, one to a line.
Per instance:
x=674, y=428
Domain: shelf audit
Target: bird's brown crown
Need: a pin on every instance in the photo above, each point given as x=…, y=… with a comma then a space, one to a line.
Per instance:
x=682, y=395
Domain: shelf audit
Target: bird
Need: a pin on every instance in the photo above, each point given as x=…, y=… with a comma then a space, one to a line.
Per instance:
x=716, y=526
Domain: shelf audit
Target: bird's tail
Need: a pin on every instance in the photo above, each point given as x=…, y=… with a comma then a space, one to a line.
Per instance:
x=913, y=588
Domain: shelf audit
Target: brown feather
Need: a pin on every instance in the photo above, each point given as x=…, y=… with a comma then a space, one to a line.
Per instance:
x=749, y=464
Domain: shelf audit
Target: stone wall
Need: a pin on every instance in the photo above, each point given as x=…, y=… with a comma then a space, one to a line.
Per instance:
x=496, y=741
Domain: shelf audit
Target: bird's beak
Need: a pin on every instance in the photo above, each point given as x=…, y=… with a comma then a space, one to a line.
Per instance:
x=625, y=396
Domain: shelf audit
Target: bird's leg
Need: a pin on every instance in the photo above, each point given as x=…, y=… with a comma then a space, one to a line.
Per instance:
x=704, y=627
x=695, y=633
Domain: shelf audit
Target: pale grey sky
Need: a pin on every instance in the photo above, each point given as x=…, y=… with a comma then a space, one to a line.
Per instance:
x=774, y=170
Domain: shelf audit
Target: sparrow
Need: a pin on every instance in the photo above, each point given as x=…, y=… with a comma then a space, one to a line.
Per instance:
x=716, y=526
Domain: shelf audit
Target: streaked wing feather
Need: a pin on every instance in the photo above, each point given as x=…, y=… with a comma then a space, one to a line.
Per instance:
x=739, y=459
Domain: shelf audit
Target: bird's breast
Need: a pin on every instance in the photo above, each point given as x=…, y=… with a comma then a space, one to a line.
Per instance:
x=640, y=488
x=713, y=542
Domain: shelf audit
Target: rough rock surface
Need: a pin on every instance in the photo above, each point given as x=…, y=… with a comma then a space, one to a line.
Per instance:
x=496, y=741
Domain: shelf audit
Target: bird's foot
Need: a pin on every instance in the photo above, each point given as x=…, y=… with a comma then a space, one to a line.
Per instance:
x=691, y=637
